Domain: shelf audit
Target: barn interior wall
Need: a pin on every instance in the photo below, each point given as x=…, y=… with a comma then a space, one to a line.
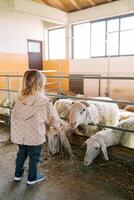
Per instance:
x=119, y=66
x=16, y=29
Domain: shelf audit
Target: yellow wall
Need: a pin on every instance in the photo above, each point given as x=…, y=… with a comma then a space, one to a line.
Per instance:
x=62, y=67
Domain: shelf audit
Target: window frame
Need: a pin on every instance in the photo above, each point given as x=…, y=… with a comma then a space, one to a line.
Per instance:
x=106, y=21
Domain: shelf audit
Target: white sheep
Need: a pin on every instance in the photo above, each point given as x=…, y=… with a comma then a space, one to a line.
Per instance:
x=4, y=110
x=58, y=139
x=53, y=139
x=63, y=107
x=106, y=138
x=128, y=138
x=125, y=114
x=85, y=112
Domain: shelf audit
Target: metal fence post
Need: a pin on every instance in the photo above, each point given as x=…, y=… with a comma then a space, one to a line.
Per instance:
x=59, y=80
x=9, y=97
x=99, y=85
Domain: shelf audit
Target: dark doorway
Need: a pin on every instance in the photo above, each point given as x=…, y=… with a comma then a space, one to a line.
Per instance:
x=35, y=54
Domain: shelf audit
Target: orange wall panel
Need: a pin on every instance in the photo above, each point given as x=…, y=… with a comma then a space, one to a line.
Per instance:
x=62, y=67
x=13, y=63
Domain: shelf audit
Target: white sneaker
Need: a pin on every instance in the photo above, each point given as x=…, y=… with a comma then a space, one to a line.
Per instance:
x=39, y=178
x=17, y=179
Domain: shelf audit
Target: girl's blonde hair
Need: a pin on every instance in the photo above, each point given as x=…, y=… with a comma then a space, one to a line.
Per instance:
x=33, y=82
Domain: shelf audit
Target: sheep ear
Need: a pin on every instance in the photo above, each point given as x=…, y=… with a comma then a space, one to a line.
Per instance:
x=85, y=103
x=104, y=149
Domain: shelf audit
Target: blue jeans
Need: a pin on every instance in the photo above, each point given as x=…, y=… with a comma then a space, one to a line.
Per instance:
x=34, y=156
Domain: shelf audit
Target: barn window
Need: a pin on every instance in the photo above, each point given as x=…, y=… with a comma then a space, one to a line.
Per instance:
x=56, y=44
x=98, y=38
x=127, y=35
x=110, y=36
x=81, y=41
x=113, y=37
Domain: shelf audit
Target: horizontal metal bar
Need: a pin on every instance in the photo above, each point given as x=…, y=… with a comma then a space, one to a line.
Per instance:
x=6, y=75
x=6, y=90
x=81, y=77
x=93, y=77
x=91, y=99
x=81, y=98
x=114, y=128
x=98, y=125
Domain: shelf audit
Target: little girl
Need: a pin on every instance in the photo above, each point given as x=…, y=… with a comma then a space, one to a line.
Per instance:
x=30, y=116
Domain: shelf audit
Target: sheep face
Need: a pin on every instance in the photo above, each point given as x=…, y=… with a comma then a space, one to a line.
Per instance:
x=94, y=147
x=77, y=115
x=54, y=143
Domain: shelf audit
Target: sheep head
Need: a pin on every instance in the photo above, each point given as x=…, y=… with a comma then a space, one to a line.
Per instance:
x=57, y=140
x=78, y=114
x=94, y=147
x=54, y=143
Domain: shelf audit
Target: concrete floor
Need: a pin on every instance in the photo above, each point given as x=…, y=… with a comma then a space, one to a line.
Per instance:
x=112, y=180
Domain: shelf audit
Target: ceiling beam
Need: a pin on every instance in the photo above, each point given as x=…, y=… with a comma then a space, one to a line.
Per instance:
x=75, y=4
x=92, y=2
x=56, y=3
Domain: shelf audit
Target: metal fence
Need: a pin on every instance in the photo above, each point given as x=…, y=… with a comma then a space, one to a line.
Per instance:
x=9, y=91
